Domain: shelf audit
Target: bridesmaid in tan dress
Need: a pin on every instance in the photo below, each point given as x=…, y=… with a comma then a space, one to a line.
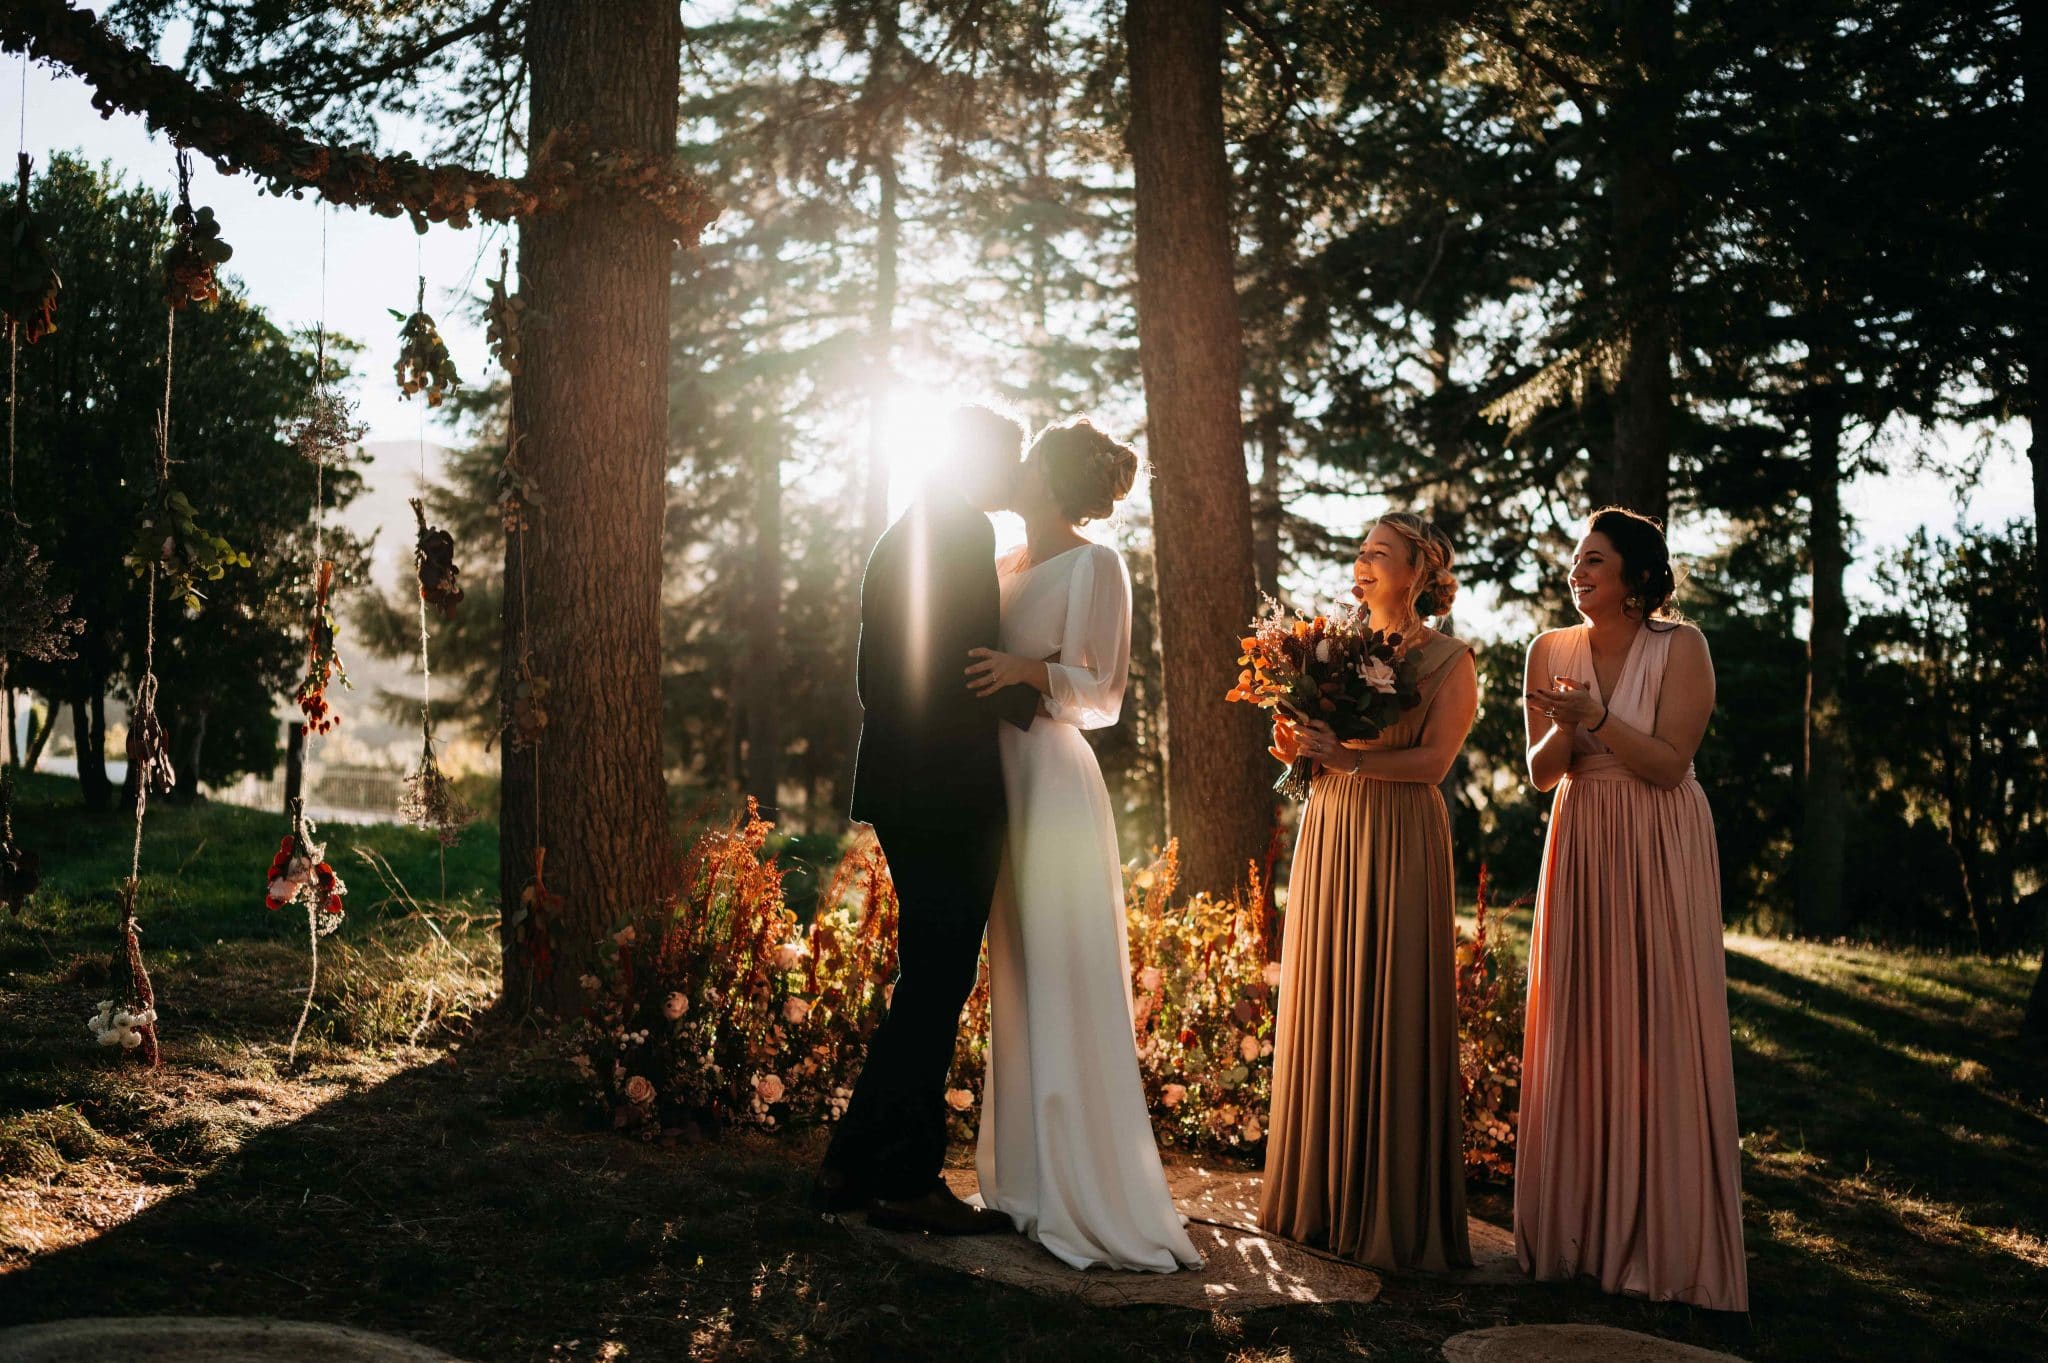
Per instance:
x=1628, y=1164
x=1366, y=1152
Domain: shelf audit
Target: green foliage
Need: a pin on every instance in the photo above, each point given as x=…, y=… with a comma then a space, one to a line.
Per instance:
x=170, y=539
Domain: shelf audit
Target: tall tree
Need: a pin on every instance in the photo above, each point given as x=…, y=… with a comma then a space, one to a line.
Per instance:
x=590, y=418
x=1191, y=355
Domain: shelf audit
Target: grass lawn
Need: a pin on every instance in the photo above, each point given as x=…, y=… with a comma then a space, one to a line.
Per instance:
x=423, y=1175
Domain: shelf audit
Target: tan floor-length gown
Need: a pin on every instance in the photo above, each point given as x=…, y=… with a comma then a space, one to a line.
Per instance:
x=1366, y=1152
x=1628, y=1165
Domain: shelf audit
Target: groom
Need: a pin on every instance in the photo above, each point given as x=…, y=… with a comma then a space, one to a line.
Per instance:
x=930, y=780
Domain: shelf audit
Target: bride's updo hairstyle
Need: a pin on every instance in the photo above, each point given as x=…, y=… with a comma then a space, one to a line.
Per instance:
x=1429, y=549
x=1645, y=560
x=1087, y=472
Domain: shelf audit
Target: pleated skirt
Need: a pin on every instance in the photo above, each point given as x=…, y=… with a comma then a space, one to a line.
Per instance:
x=1628, y=1159
x=1366, y=1152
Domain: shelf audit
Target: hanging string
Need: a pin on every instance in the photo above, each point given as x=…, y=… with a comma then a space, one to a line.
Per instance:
x=14, y=327
x=426, y=672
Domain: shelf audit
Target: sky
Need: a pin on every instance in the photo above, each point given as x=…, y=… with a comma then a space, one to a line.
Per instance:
x=367, y=264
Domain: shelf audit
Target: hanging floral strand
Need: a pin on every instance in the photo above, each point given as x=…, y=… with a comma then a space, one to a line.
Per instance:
x=148, y=745
x=323, y=662
x=430, y=801
x=299, y=874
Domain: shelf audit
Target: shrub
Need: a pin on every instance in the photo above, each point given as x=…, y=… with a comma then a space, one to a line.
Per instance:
x=722, y=1008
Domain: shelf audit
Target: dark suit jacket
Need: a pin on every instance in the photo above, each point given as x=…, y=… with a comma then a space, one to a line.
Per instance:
x=927, y=743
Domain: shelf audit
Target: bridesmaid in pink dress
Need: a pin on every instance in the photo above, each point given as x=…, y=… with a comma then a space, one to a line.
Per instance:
x=1628, y=1162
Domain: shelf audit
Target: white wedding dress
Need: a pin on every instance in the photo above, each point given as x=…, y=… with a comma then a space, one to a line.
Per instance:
x=1066, y=1146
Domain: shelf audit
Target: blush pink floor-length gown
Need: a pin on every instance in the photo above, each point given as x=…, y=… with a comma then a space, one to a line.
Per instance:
x=1628, y=1158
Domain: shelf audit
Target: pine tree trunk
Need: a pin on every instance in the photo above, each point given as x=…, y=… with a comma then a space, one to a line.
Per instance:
x=2034, y=120
x=1642, y=130
x=1824, y=836
x=591, y=405
x=1190, y=349
x=763, y=682
x=89, y=730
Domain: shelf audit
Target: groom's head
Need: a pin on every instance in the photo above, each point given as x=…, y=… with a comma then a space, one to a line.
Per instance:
x=983, y=451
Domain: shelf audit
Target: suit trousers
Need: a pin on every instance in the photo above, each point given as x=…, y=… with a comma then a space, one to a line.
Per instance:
x=891, y=1142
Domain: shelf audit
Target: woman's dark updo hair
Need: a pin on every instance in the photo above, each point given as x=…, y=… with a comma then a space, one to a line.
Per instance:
x=1088, y=472
x=1645, y=559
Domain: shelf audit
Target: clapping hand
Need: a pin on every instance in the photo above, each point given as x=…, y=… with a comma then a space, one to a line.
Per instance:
x=1569, y=702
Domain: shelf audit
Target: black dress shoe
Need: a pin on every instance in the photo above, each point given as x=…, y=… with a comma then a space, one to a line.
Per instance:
x=833, y=1195
x=938, y=1212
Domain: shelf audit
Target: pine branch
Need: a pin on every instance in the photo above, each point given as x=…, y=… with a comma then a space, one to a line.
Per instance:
x=289, y=162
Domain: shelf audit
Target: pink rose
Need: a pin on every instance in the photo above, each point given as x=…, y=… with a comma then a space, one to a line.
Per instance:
x=959, y=1099
x=768, y=1088
x=1248, y=1047
x=796, y=1010
x=1272, y=974
x=1173, y=1094
x=789, y=956
x=639, y=1092
x=1149, y=979
x=674, y=1006
x=1141, y=1008
x=1252, y=1130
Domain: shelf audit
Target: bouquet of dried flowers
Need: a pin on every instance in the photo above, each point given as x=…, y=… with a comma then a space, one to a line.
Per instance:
x=194, y=257
x=433, y=556
x=183, y=551
x=299, y=874
x=430, y=801
x=424, y=364
x=1335, y=668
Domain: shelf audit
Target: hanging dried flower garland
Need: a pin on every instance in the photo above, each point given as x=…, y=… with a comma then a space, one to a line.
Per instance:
x=323, y=663
x=561, y=170
x=28, y=276
x=20, y=869
x=424, y=364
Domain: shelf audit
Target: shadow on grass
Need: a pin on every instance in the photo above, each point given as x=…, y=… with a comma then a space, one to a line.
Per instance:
x=1896, y=1204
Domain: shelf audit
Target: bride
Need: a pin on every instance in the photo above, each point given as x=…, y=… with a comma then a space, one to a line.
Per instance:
x=1066, y=1148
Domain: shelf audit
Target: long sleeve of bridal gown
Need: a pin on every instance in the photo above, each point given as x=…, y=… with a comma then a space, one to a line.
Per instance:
x=1066, y=1145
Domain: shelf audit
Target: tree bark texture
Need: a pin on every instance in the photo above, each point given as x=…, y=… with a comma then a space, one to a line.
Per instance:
x=1641, y=134
x=1824, y=835
x=89, y=733
x=763, y=685
x=1190, y=348
x=590, y=406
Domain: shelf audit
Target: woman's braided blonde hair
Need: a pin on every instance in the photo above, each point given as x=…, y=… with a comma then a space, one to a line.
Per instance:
x=1430, y=550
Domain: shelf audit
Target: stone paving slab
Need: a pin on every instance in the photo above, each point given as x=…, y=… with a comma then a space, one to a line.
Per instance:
x=1572, y=1344
x=206, y=1339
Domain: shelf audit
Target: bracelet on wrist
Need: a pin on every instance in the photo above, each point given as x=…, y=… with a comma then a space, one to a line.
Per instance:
x=1604, y=713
